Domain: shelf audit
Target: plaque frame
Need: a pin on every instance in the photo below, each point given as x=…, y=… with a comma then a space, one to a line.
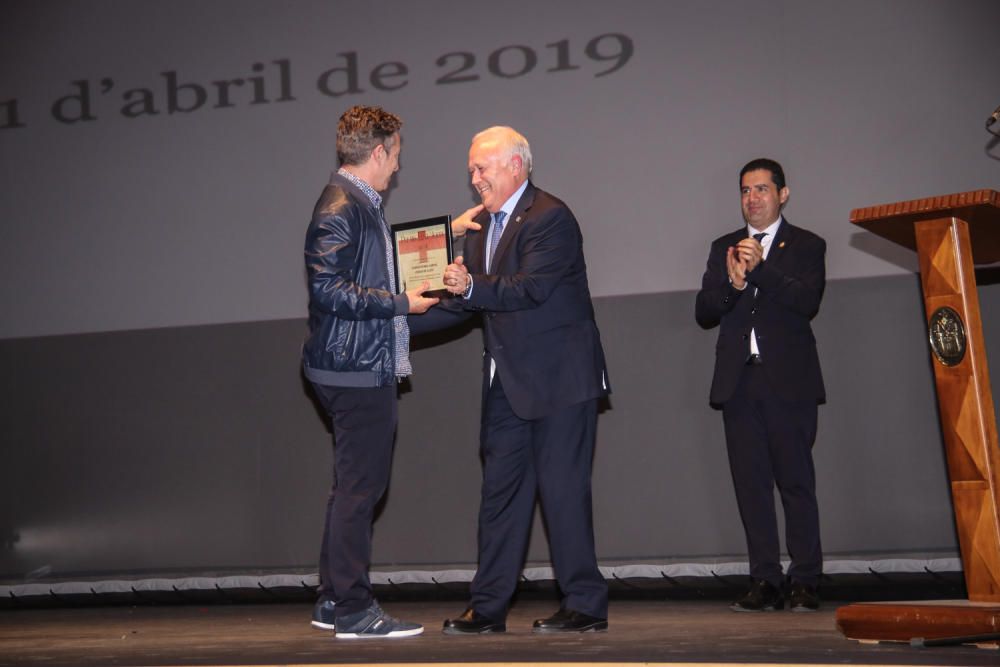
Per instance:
x=405, y=234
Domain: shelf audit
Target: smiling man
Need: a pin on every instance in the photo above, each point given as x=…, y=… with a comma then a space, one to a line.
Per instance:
x=762, y=286
x=543, y=373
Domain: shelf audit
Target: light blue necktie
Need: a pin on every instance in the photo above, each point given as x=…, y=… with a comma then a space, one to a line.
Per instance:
x=495, y=239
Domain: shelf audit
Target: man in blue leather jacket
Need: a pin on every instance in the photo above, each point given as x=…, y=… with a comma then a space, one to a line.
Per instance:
x=357, y=350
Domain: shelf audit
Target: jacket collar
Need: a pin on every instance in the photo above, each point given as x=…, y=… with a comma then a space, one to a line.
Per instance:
x=339, y=179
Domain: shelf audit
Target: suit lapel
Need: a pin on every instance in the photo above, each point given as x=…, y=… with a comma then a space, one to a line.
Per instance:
x=783, y=239
x=513, y=225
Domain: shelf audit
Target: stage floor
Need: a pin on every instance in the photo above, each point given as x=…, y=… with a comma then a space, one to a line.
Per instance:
x=657, y=632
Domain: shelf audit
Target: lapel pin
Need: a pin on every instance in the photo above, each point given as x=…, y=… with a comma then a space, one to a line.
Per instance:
x=781, y=245
x=518, y=219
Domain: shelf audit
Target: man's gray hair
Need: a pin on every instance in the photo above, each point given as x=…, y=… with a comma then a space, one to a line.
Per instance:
x=511, y=141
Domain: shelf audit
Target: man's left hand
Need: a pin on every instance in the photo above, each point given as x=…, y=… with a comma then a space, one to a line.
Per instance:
x=751, y=252
x=456, y=277
x=418, y=302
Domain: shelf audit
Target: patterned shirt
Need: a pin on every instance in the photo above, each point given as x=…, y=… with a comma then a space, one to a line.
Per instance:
x=401, y=351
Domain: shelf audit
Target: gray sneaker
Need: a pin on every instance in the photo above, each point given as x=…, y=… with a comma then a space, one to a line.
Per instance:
x=323, y=615
x=374, y=623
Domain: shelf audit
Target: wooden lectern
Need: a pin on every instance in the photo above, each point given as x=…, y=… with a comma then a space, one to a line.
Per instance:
x=950, y=234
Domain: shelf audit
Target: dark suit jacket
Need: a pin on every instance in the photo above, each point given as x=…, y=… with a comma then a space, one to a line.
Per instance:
x=538, y=320
x=789, y=289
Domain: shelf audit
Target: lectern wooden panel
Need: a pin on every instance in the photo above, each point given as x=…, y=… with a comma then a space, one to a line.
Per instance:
x=950, y=234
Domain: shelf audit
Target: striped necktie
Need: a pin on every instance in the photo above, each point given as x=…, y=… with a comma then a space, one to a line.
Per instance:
x=495, y=238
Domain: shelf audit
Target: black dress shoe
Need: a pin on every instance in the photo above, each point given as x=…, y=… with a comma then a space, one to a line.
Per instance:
x=567, y=620
x=803, y=598
x=472, y=623
x=762, y=596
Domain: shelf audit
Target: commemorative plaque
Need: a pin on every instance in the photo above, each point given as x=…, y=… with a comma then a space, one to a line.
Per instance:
x=422, y=251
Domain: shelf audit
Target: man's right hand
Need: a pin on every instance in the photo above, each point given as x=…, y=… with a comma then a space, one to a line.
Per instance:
x=418, y=302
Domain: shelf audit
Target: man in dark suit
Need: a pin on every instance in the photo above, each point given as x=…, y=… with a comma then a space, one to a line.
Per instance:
x=543, y=373
x=763, y=284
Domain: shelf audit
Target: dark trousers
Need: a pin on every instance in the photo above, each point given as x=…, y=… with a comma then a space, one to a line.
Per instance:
x=553, y=457
x=770, y=441
x=364, y=426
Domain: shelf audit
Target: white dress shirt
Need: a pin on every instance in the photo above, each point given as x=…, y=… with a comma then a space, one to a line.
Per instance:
x=765, y=243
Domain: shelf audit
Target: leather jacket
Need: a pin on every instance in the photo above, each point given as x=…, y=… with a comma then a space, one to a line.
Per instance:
x=351, y=305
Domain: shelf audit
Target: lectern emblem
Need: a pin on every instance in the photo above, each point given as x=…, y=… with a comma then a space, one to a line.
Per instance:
x=947, y=336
